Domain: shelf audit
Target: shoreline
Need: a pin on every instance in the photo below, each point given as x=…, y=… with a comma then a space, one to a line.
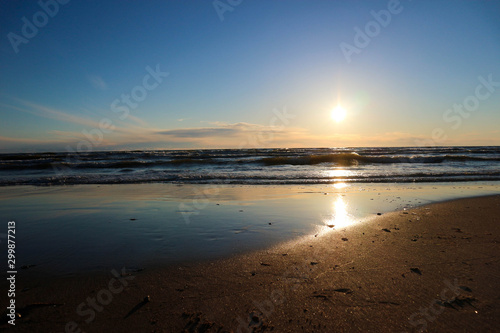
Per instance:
x=439, y=272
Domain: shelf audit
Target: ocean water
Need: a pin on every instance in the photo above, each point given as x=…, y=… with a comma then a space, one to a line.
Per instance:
x=254, y=166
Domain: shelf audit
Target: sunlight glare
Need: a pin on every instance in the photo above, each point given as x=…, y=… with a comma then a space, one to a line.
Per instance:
x=338, y=113
x=341, y=217
x=337, y=173
x=339, y=186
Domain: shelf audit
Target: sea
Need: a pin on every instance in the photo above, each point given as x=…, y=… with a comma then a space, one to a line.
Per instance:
x=254, y=166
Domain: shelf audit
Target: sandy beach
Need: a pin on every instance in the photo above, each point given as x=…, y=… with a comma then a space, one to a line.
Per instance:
x=431, y=268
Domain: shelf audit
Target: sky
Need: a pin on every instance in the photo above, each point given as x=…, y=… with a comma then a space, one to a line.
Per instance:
x=113, y=75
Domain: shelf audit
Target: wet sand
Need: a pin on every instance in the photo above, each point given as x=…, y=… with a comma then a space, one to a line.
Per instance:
x=434, y=267
x=66, y=230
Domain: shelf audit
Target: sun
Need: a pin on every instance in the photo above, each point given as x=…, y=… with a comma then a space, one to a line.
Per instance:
x=338, y=113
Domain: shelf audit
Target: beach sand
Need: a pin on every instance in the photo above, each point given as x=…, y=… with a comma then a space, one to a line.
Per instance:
x=435, y=267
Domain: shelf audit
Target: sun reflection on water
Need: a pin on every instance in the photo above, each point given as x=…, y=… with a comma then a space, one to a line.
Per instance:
x=337, y=173
x=340, y=216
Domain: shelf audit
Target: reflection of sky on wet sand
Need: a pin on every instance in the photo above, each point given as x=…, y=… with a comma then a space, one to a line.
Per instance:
x=339, y=186
x=75, y=228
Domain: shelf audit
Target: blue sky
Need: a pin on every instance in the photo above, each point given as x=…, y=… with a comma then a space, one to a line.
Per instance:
x=248, y=74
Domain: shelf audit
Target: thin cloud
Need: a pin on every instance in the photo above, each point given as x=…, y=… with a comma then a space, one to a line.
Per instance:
x=137, y=120
x=235, y=135
x=97, y=82
x=59, y=115
x=51, y=113
x=198, y=132
x=220, y=130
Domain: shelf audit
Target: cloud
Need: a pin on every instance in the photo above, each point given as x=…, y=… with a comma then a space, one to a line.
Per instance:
x=137, y=120
x=63, y=116
x=232, y=135
x=51, y=113
x=97, y=82
x=199, y=132
x=220, y=130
